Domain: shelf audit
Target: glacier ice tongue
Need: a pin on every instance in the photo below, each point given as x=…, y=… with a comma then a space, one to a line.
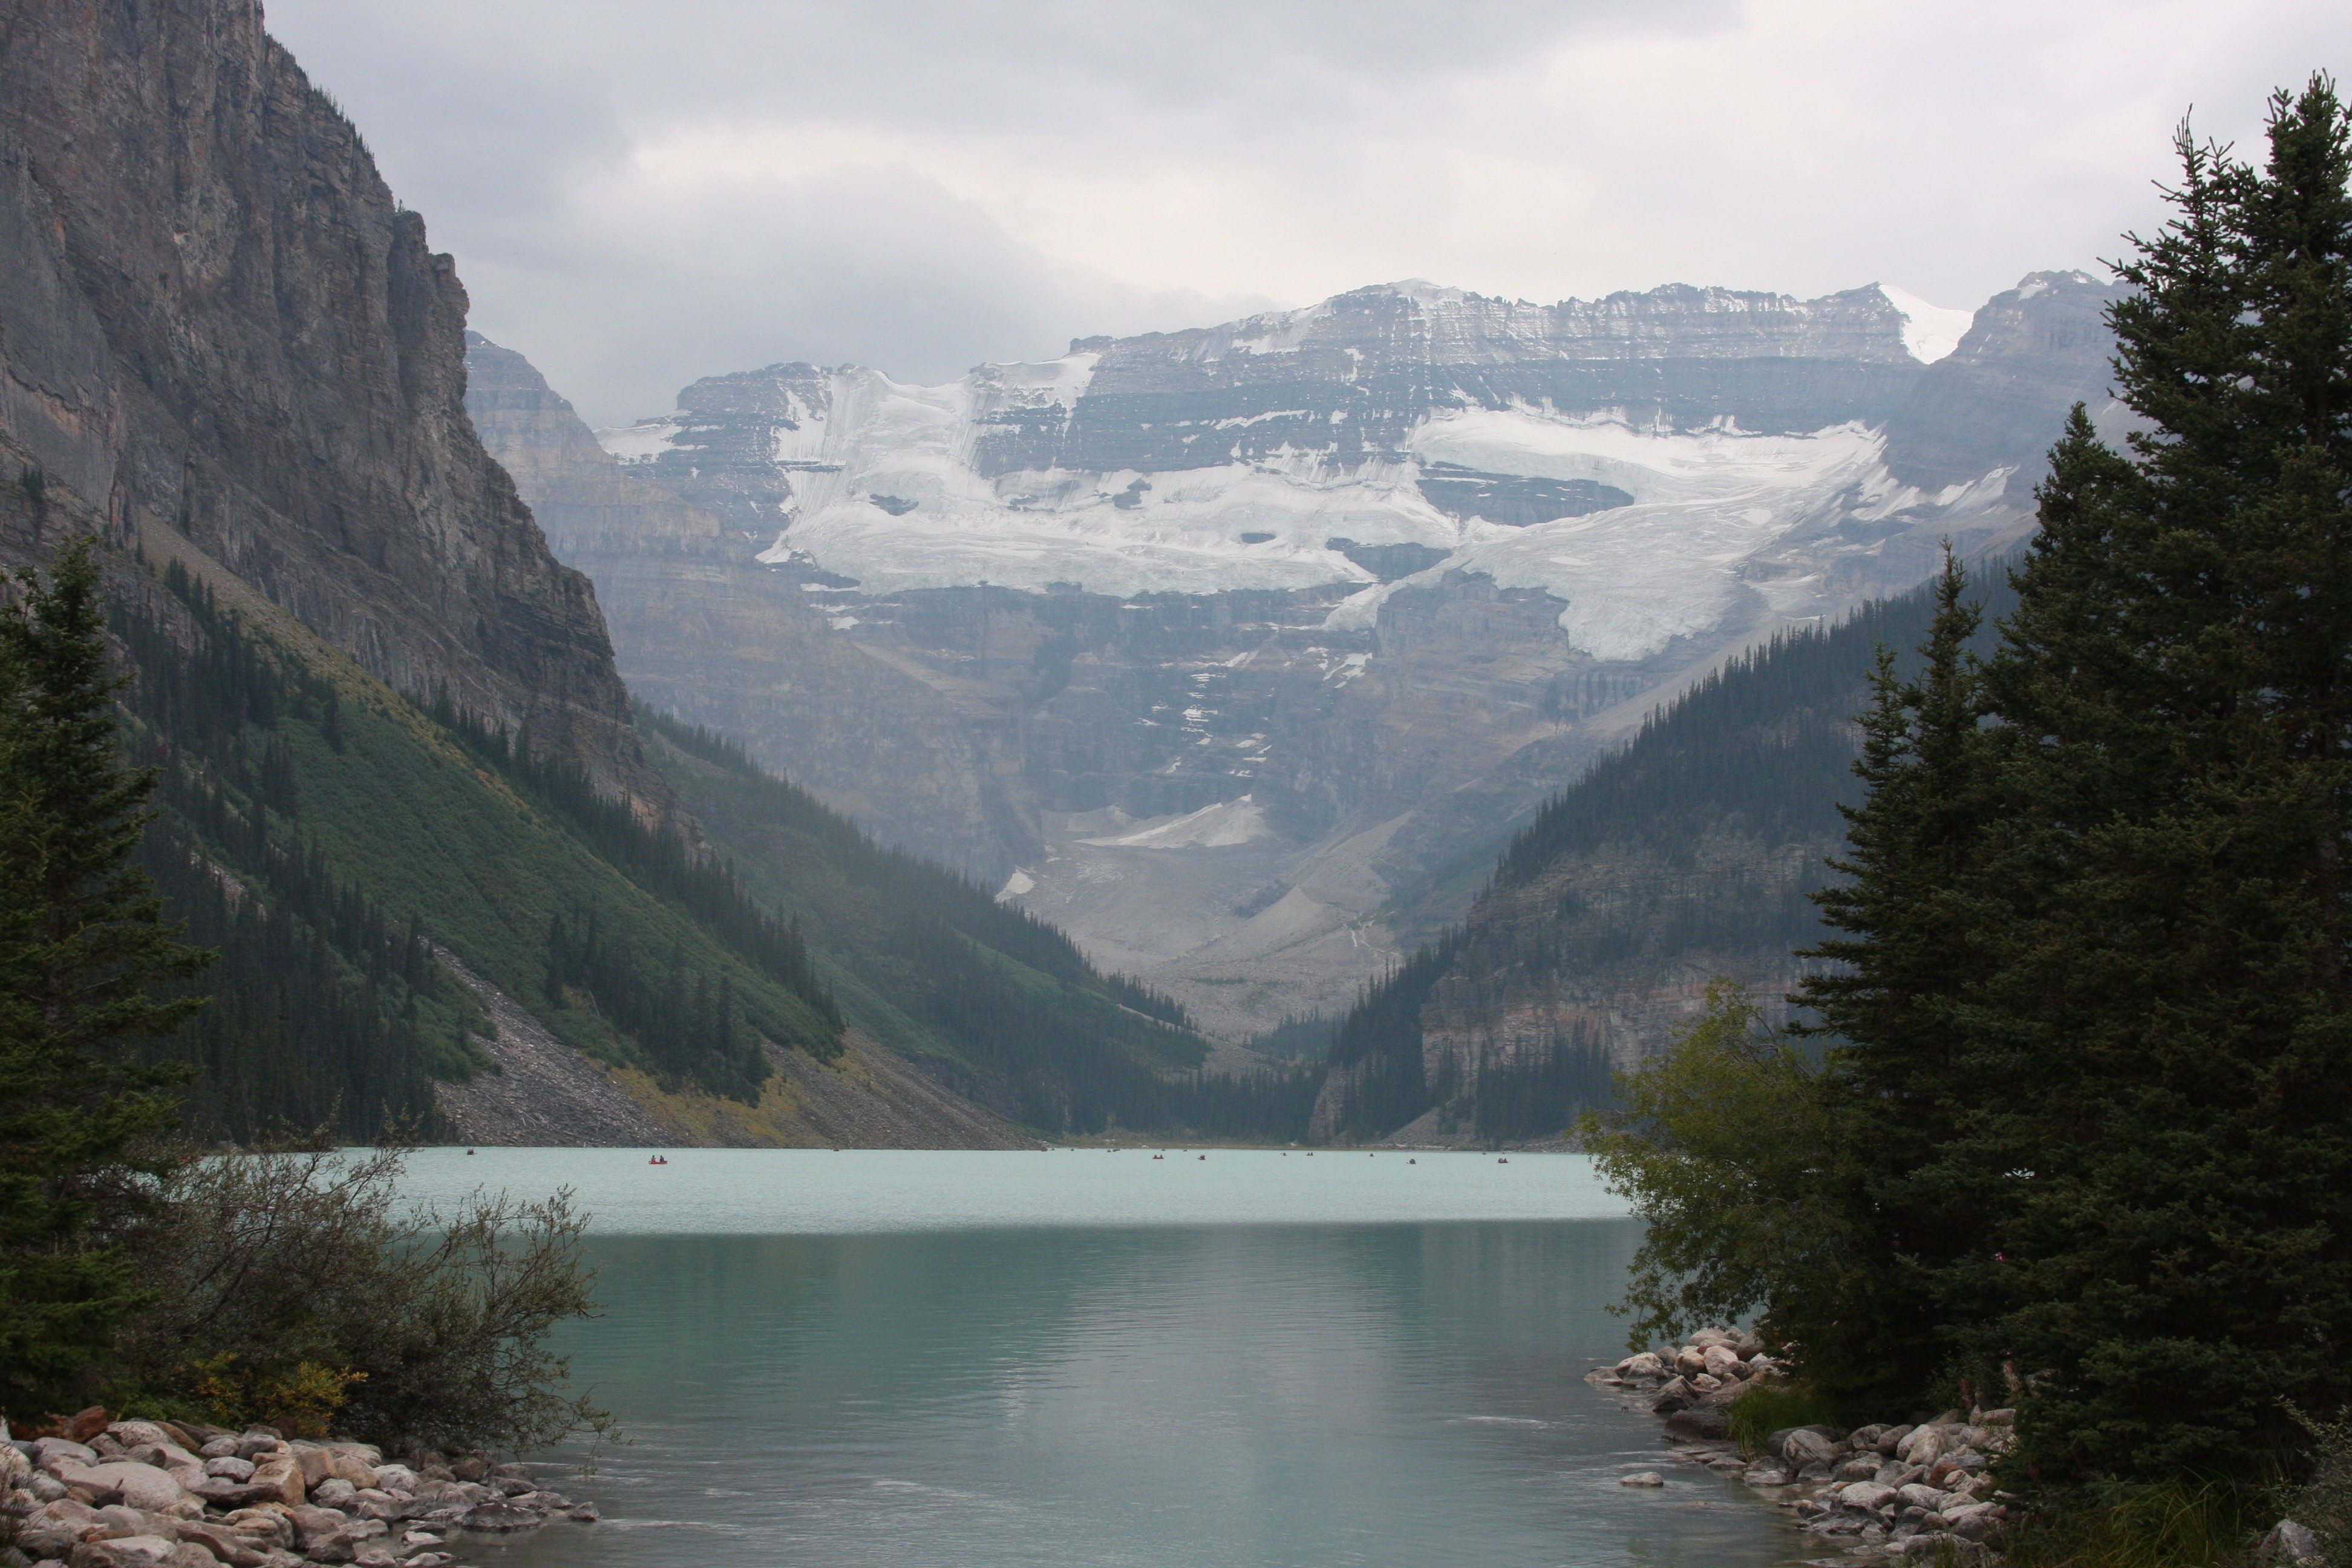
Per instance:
x=884, y=490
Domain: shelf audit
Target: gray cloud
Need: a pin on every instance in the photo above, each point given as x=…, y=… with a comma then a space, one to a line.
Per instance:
x=882, y=267
x=640, y=195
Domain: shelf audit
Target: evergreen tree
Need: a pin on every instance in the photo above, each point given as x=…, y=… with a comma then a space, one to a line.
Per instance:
x=2159, y=1039
x=1887, y=1004
x=82, y=943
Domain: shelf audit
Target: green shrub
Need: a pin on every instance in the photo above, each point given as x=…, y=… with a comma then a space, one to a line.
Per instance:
x=298, y=1285
x=2323, y=1502
x=298, y=1403
x=1717, y=1144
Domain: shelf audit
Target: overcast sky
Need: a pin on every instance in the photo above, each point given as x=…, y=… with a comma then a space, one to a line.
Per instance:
x=639, y=193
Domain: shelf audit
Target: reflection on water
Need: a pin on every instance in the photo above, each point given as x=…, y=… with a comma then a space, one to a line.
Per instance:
x=1309, y=1395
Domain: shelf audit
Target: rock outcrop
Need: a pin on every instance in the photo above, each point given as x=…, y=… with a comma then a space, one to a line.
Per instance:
x=1922, y=1489
x=1612, y=951
x=216, y=318
x=168, y=1494
x=2033, y=349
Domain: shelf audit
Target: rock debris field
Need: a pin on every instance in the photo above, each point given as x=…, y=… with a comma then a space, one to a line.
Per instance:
x=1880, y=1492
x=156, y=1494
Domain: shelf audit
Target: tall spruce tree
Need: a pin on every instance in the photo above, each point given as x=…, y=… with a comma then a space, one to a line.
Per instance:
x=1887, y=1005
x=2156, y=1132
x=82, y=942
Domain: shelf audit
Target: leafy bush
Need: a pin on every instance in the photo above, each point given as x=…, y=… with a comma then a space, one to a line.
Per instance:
x=295, y=1286
x=299, y=1404
x=2323, y=1502
x=1719, y=1144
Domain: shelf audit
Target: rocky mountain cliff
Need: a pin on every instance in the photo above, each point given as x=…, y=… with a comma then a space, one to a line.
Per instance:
x=401, y=786
x=220, y=323
x=706, y=631
x=1236, y=651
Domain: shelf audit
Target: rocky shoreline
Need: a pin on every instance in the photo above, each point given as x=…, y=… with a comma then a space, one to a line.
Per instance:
x=1889, y=1490
x=165, y=1494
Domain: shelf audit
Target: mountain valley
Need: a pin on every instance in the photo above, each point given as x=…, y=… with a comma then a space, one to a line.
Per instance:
x=1238, y=652
x=451, y=873
x=1078, y=744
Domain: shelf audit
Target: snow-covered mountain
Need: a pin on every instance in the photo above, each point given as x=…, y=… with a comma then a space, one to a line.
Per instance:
x=1629, y=455
x=1216, y=644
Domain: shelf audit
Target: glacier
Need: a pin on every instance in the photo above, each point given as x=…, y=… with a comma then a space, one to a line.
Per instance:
x=885, y=483
x=1227, y=649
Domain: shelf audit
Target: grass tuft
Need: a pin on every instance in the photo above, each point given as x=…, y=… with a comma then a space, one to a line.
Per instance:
x=2148, y=1524
x=1764, y=1408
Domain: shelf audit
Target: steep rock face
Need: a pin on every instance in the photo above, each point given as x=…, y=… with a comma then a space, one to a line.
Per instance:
x=2039, y=346
x=218, y=319
x=581, y=499
x=1614, y=949
x=1352, y=377
x=702, y=629
x=1229, y=650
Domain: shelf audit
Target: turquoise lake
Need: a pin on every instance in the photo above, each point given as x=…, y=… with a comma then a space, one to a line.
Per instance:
x=1082, y=1357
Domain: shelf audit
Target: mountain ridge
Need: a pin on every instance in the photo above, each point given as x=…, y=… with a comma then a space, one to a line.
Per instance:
x=402, y=786
x=1384, y=604
x=1683, y=858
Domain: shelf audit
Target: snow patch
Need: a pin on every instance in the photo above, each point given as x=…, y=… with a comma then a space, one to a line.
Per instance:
x=1276, y=333
x=1015, y=885
x=1216, y=827
x=1634, y=579
x=1929, y=332
x=639, y=443
x=1359, y=611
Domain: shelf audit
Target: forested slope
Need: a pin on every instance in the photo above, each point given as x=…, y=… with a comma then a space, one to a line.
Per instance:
x=1686, y=855
x=326, y=835
x=986, y=996
x=386, y=721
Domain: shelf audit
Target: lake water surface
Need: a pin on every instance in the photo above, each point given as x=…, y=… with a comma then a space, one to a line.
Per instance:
x=1082, y=1357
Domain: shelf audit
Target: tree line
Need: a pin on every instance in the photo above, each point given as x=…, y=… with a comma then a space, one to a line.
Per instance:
x=659, y=859
x=2067, y=1122
x=327, y=1010
x=894, y=877
x=140, y=1270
